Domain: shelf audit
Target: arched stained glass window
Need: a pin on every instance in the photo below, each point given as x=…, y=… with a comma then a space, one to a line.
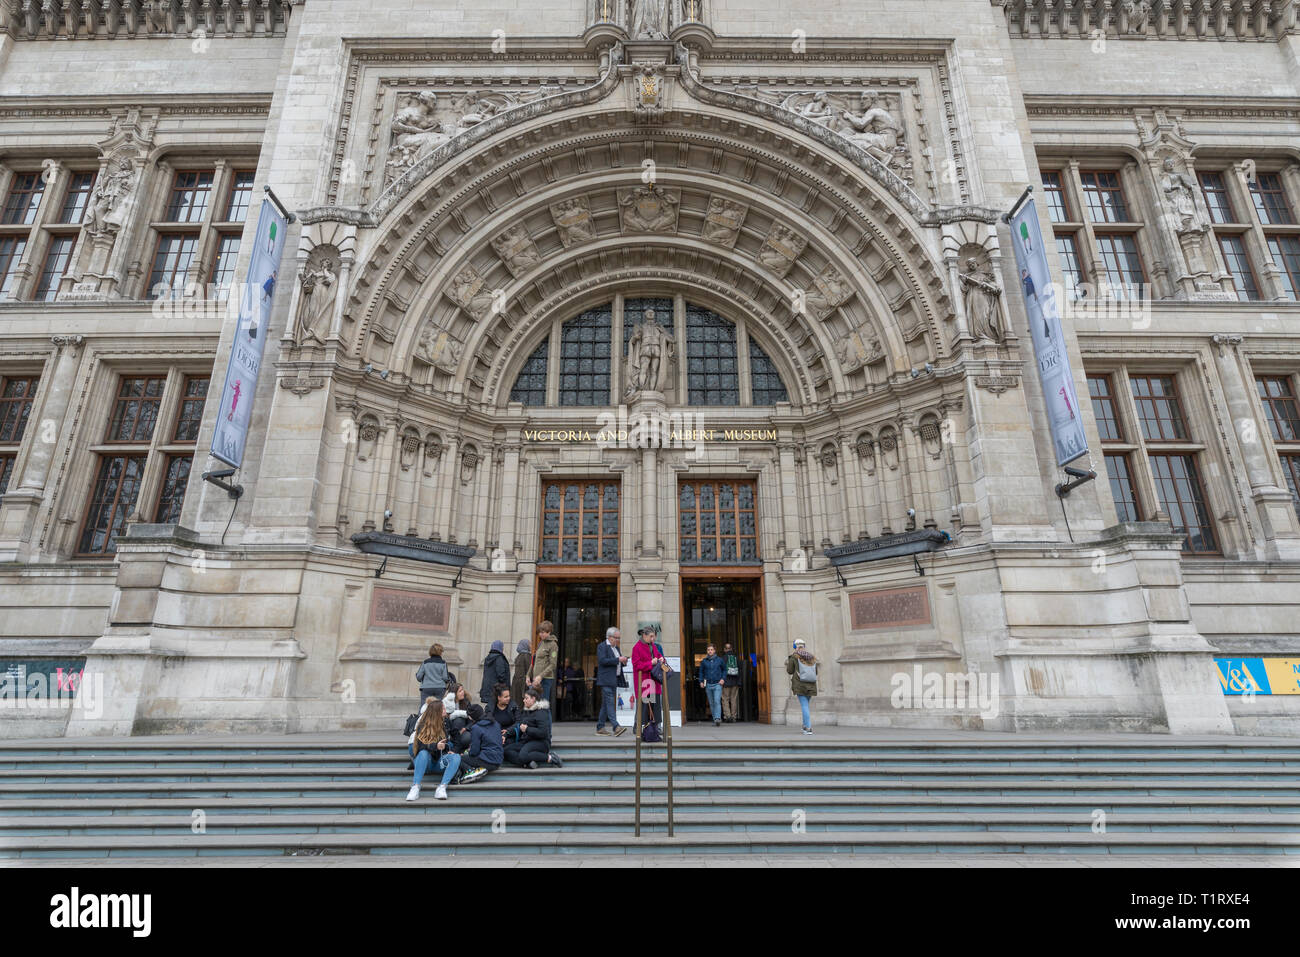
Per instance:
x=584, y=358
x=767, y=387
x=530, y=386
x=712, y=368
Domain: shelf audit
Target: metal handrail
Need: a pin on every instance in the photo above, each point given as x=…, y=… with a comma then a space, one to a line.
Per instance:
x=667, y=732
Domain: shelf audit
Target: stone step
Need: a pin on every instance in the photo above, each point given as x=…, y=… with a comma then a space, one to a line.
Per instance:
x=14, y=833
x=439, y=841
x=480, y=796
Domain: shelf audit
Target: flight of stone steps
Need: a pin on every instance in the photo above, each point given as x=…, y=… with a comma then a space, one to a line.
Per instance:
x=344, y=795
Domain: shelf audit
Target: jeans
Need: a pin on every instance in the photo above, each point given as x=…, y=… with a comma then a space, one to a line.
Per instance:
x=807, y=711
x=426, y=693
x=448, y=764
x=608, y=708
x=547, y=685
x=714, y=693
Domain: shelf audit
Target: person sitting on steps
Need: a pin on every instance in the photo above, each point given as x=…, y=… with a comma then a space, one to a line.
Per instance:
x=485, y=752
x=429, y=747
x=528, y=743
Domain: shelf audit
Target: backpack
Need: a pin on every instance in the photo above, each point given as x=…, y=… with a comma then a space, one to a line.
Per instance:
x=807, y=671
x=411, y=722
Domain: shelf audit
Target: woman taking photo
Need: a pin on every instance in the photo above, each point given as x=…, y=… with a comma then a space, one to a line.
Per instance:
x=428, y=746
x=801, y=666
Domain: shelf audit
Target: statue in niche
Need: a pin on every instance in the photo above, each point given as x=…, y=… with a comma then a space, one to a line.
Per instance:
x=415, y=133
x=980, y=294
x=874, y=129
x=316, y=304
x=1180, y=193
x=649, y=351
x=107, y=196
x=649, y=20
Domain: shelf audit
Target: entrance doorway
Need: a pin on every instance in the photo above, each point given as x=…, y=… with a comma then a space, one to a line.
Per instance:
x=715, y=612
x=580, y=611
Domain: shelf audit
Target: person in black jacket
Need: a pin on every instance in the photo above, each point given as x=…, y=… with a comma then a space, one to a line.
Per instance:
x=496, y=671
x=528, y=743
x=485, y=752
x=458, y=721
x=504, y=712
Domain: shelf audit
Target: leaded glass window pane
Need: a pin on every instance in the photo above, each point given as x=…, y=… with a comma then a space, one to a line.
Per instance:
x=585, y=358
x=579, y=523
x=717, y=523
x=530, y=385
x=766, y=385
x=712, y=371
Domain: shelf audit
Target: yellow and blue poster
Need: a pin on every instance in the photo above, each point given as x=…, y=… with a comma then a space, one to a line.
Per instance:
x=1244, y=676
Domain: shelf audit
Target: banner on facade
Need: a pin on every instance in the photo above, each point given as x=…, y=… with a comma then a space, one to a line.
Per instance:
x=1248, y=676
x=1054, y=371
x=235, y=412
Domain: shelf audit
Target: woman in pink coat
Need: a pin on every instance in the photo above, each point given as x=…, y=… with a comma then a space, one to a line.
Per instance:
x=644, y=657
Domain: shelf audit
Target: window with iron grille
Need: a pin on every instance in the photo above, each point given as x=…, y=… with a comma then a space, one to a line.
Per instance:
x=530, y=384
x=16, y=396
x=712, y=366
x=717, y=523
x=585, y=358
x=579, y=522
x=765, y=380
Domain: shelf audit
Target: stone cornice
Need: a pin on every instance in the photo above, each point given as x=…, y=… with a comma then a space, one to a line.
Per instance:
x=1245, y=20
x=198, y=20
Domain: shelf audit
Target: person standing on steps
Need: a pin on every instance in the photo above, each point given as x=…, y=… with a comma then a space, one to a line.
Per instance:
x=523, y=661
x=496, y=671
x=433, y=675
x=609, y=666
x=429, y=747
x=645, y=656
x=801, y=666
x=545, y=660
x=730, y=683
x=711, y=672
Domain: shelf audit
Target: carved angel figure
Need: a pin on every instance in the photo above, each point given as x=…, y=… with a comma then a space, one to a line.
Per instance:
x=415, y=132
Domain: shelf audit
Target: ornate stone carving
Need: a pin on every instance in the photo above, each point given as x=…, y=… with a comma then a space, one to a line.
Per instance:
x=723, y=220
x=829, y=290
x=467, y=291
x=857, y=349
x=1180, y=199
x=517, y=250
x=1134, y=15
x=107, y=199
x=649, y=20
x=828, y=459
x=432, y=449
x=981, y=295
x=317, y=295
x=648, y=210
x=649, y=86
x=649, y=351
x=889, y=449
x=781, y=248
x=439, y=349
x=997, y=384
x=931, y=438
x=415, y=132
x=302, y=383
x=468, y=464
x=866, y=449
x=573, y=221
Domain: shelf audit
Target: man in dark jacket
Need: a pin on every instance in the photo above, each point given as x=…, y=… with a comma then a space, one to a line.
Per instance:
x=609, y=662
x=528, y=743
x=485, y=752
x=711, y=671
x=496, y=671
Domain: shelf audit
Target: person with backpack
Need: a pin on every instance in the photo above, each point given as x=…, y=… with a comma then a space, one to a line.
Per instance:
x=523, y=662
x=485, y=750
x=433, y=675
x=801, y=666
x=730, y=684
x=429, y=747
x=711, y=671
x=496, y=671
x=545, y=660
x=528, y=743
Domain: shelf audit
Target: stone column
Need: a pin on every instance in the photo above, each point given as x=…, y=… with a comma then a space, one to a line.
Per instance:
x=379, y=476
x=26, y=491
x=1276, y=511
x=446, y=487
x=849, y=475
x=509, y=501
x=789, y=479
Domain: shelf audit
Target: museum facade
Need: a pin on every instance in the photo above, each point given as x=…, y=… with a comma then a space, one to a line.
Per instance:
x=703, y=315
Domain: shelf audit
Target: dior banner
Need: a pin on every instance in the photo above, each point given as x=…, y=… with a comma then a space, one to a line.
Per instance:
x=236, y=408
x=1054, y=371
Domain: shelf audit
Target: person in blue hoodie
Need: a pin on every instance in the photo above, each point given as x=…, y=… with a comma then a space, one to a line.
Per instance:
x=711, y=672
x=485, y=748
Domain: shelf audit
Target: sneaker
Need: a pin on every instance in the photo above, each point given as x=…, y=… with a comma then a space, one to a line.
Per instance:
x=807, y=730
x=604, y=731
x=472, y=775
x=717, y=724
x=441, y=793
x=414, y=793
x=619, y=730
x=555, y=760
